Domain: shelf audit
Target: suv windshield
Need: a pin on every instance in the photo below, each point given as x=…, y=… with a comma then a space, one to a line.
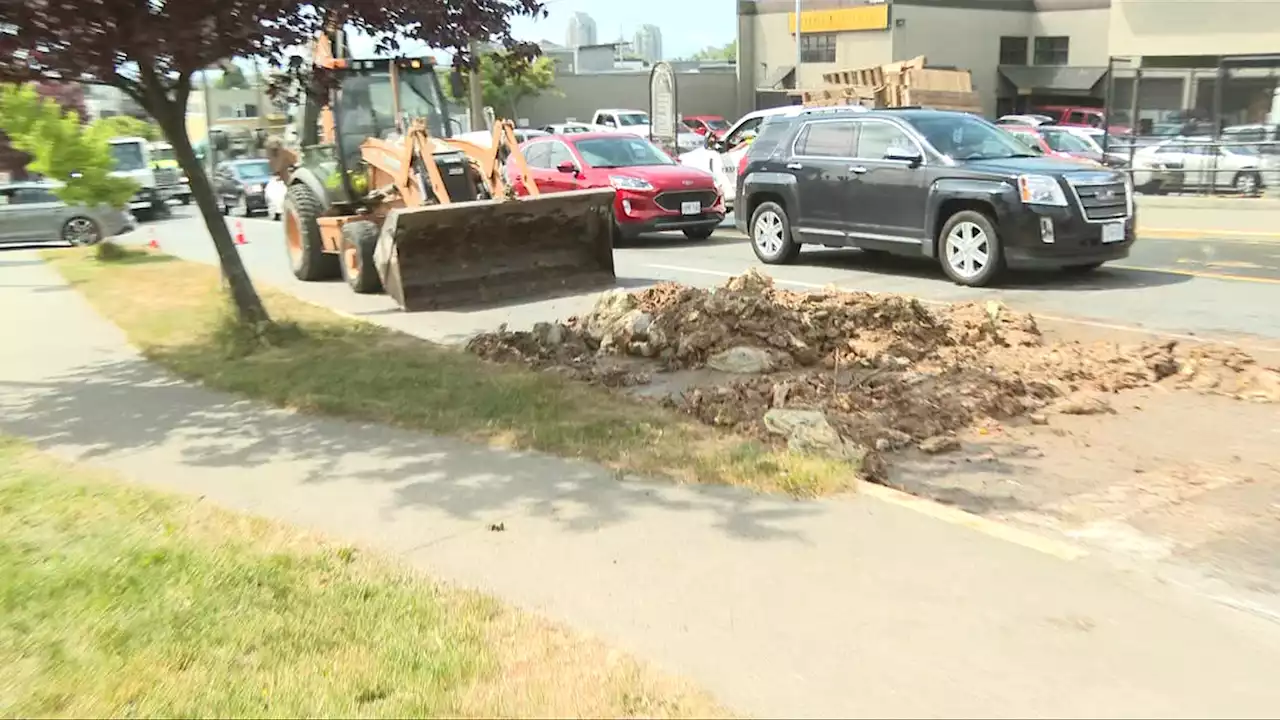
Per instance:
x=620, y=152
x=128, y=156
x=964, y=137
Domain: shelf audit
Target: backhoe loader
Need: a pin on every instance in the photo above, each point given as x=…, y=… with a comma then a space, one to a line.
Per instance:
x=380, y=195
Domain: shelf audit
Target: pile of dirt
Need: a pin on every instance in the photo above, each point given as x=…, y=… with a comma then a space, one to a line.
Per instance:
x=886, y=371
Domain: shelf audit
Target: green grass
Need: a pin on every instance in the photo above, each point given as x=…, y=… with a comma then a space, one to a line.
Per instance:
x=322, y=362
x=118, y=601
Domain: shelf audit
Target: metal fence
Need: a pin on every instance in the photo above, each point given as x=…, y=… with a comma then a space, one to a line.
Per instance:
x=1207, y=128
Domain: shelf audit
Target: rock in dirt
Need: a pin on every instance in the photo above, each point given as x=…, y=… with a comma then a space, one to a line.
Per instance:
x=1083, y=403
x=808, y=432
x=939, y=444
x=742, y=360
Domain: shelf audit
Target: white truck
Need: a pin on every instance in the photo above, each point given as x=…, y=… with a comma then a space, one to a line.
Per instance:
x=721, y=156
x=636, y=122
x=132, y=157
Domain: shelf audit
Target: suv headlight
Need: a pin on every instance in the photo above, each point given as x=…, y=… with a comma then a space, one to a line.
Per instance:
x=624, y=182
x=1041, y=190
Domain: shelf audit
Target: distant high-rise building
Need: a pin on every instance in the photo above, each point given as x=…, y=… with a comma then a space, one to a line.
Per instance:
x=582, y=30
x=648, y=44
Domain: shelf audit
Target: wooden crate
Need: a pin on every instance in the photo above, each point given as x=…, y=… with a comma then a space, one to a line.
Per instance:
x=864, y=76
x=941, y=99
x=935, y=79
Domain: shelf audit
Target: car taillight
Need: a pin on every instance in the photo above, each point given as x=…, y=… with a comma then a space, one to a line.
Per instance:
x=742, y=165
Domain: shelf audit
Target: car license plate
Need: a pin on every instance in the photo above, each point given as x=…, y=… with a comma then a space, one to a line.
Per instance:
x=690, y=208
x=1113, y=233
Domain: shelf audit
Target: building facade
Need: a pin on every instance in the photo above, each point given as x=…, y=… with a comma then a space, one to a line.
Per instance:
x=648, y=43
x=1023, y=53
x=582, y=31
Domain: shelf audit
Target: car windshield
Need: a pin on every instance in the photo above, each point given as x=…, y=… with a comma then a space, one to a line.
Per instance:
x=964, y=137
x=163, y=154
x=717, y=124
x=621, y=152
x=128, y=156
x=1029, y=140
x=257, y=170
x=1064, y=141
x=633, y=119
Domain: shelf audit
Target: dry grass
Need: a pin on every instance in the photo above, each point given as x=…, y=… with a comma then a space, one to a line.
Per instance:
x=118, y=601
x=174, y=312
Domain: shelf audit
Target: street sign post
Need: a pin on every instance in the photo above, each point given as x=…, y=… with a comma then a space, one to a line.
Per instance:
x=663, y=119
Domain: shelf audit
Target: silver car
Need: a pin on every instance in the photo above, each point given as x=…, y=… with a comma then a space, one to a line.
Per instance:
x=31, y=213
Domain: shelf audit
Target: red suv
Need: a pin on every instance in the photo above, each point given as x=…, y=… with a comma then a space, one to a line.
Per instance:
x=654, y=192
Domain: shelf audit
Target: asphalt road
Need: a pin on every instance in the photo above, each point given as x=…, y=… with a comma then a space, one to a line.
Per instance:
x=1203, y=287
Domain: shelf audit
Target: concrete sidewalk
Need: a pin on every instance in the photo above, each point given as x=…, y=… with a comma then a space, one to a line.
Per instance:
x=850, y=608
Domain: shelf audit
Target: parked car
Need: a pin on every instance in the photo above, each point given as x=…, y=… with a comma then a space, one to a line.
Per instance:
x=568, y=128
x=927, y=183
x=1077, y=116
x=240, y=186
x=275, y=192
x=31, y=213
x=1117, y=157
x=1183, y=163
x=1266, y=138
x=1034, y=141
x=1027, y=120
x=654, y=192
x=721, y=156
x=707, y=125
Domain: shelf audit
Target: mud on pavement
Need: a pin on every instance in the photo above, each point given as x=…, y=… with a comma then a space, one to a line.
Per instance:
x=884, y=372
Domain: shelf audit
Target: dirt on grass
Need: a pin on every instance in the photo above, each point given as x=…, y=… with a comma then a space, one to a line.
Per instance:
x=885, y=372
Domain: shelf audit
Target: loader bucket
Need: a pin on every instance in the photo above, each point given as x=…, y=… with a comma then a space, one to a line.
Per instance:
x=474, y=253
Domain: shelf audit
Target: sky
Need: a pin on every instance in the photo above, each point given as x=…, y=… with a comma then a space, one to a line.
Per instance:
x=687, y=25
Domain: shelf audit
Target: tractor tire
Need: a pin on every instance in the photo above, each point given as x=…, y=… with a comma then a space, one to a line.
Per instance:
x=307, y=258
x=359, y=238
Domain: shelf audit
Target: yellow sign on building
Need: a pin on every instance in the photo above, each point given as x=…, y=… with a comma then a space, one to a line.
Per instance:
x=865, y=17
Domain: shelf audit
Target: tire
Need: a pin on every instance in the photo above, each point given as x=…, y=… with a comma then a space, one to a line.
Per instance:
x=146, y=215
x=186, y=199
x=771, y=235
x=303, y=243
x=359, y=238
x=699, y=233
x=970, y=226
x=1081, y=269
x=1247, y=183
x=81, y=231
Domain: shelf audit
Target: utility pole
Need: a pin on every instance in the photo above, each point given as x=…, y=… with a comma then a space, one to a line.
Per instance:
x=475, y=91
x=798, y=53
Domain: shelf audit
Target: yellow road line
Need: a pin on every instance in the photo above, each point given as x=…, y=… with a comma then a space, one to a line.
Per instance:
x=1199, y=274
x=1248, y=236
x=1055, y=548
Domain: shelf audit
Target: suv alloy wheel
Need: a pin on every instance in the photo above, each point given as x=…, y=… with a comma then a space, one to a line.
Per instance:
x=969, y=249
x=771, y=235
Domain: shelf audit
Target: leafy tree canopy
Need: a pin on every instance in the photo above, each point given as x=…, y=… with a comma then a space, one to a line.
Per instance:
x=127, y=126
x=718, y=52
x=62, y=149
x=507, y=78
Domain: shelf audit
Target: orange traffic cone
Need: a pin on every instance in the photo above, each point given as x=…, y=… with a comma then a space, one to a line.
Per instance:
x=240, y=239
x=154, y=244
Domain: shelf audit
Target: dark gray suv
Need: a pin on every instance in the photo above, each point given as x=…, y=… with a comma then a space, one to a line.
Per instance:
x=929, y=183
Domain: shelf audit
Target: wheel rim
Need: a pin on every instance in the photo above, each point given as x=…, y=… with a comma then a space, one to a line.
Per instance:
x=968, y=250
x=81, y=232
x=1245, y=184
x=768, y=233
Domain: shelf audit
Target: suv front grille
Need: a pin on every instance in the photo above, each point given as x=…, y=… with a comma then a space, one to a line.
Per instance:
x=1103, y=202
x=166, y=176
x=671, y=200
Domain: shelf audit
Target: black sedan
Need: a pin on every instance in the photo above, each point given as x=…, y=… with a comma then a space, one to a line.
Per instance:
x=241, y=186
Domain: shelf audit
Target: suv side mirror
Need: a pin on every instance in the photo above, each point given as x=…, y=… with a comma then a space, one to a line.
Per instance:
x=901, y=154
x=567, y=167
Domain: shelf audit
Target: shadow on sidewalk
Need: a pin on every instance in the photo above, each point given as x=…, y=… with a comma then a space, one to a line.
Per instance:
x=125, y=407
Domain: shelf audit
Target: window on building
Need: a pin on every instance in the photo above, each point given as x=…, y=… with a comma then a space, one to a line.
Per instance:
x=1052, y=50
x=1013, y=50
x=818, y=48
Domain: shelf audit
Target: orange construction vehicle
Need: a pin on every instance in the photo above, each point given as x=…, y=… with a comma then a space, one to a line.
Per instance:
x=379, y=194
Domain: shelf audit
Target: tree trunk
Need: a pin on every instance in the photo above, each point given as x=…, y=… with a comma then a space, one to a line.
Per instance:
x=248, y=305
